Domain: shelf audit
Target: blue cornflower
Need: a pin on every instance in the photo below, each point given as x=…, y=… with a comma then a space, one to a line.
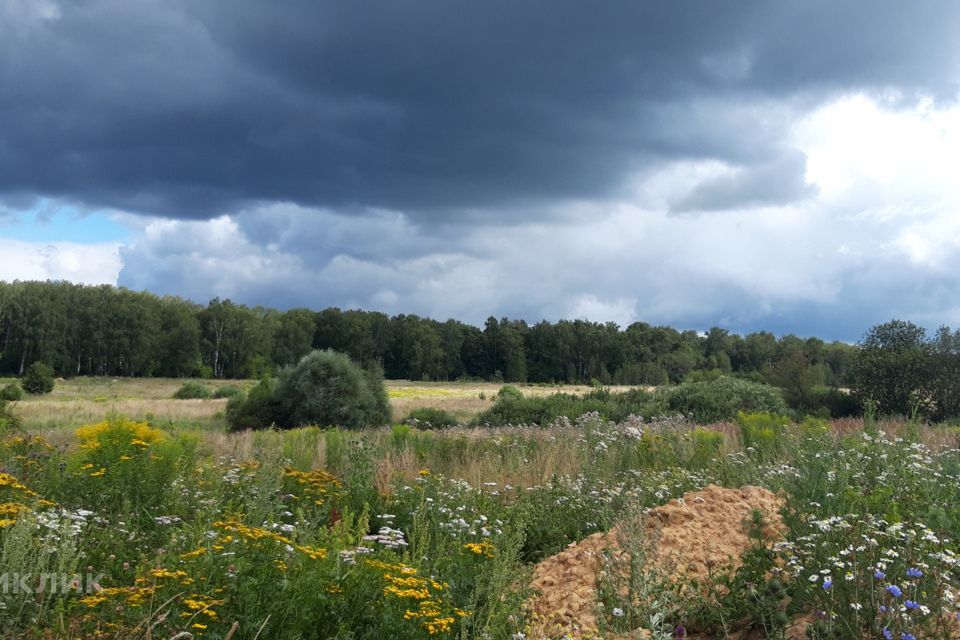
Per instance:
x=879, y=575
x=887, y=634
x=910, y=604
x=913, y=572
x=883, y=608
x=894, y=590
x=827, y=584
x=907, y=636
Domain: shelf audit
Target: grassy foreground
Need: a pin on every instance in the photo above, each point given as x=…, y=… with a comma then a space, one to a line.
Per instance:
x=121, y=529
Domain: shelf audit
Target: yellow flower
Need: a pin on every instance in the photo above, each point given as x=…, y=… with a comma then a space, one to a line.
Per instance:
x=480, y=548
x=166, y=573
x=12, y=508
x=424, y=472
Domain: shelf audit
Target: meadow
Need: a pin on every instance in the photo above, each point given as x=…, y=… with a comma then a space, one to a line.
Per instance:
x=160, y=524
x=83, y=400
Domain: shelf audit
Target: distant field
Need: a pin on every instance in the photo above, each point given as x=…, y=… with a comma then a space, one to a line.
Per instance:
x=84, y=400
x=463, y=399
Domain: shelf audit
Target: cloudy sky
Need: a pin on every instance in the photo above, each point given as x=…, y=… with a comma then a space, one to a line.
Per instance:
x=792, y=166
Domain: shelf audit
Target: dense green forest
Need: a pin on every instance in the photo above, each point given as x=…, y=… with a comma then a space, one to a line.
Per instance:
x=103, y=330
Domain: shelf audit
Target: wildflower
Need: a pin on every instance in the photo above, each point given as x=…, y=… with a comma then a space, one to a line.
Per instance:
x=827, y=584
x=887, y=634
x=910, y=604
x=480, y=548
x=907, y=636
x=894, y=590
x=617, y=612
x=914, y=572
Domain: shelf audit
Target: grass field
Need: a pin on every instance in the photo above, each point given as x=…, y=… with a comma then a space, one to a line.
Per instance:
x=84, y=400
x=190, y=532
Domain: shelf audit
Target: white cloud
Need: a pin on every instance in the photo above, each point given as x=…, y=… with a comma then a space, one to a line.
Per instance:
x=86, y=263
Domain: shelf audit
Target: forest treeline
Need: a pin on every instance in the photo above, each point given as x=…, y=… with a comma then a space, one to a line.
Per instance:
x=105, y=330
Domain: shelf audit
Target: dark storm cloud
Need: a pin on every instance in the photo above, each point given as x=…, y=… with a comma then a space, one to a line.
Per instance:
x=444, y=110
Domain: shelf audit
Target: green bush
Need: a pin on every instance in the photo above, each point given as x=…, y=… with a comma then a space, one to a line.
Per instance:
x=11, y=393
x=38, y=379
x=192, y=391
x=706, y=446
x=543, y=410
x=509, y=392
x=719, y=400
x=430, y=418
x=834, y=402
x=228, y=391
x=8, y=419
x=763, y=433
x=327, y=388
x=257, y=409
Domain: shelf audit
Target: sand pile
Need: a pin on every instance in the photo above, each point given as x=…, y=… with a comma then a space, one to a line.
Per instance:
x=704, y=532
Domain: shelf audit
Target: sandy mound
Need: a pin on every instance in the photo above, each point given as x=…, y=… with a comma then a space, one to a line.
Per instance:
x=688, y=538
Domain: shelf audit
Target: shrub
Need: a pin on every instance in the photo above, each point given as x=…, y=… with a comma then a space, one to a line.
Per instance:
x=124, y=466
x=509, y=392
x=327, y=388
x=543, y=410
x=721, y=399
x=192, y=391
x=228, y=391
x=430, y=418
x=11, y=393
x=8, y=419
x=763, y=433
x=835, y=403
x=38, y=379
x=706, y=446
x=257, y=409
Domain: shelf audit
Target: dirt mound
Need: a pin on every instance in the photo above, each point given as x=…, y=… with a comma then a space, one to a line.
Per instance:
x=689, y=538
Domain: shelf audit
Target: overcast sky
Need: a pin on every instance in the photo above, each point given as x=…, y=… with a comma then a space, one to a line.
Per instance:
x=791, y=166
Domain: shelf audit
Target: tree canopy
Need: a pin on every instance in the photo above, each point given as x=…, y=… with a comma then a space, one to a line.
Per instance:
x=103, y=330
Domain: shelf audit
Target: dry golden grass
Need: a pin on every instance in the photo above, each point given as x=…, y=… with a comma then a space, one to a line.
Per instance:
x=83, y=400
x=557, y=453
x=463, y=399
x=73, y=413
